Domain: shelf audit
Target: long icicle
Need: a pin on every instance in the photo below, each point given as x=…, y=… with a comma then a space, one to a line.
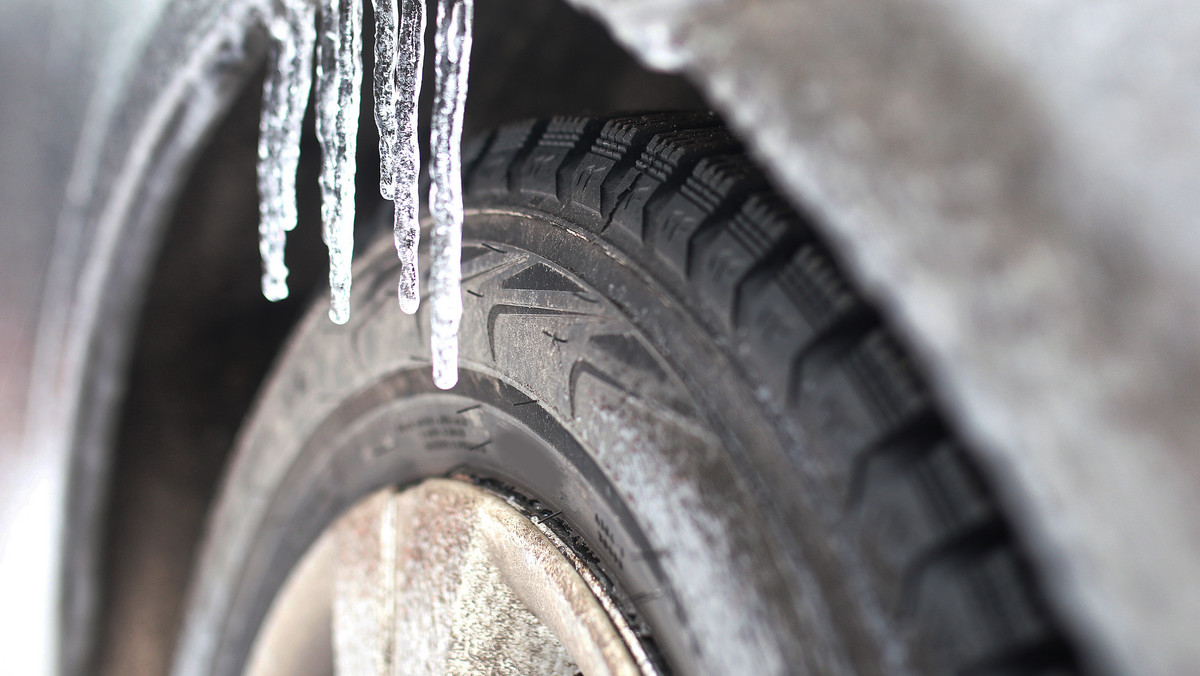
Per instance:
x=339, y=76
x=397, y=88
x=384, y=88
x=407, y=225
x=285, y=97
x=452, y=47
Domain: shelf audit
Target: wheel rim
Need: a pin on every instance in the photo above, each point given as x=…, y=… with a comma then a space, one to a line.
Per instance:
x=443, y=577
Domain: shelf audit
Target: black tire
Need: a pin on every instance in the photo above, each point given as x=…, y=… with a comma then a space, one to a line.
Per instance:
x=658, y=347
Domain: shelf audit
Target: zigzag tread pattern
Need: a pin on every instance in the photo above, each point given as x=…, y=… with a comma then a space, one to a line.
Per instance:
x=675, y=192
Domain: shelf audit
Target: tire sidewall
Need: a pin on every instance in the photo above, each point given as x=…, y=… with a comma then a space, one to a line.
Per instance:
x=721, y=594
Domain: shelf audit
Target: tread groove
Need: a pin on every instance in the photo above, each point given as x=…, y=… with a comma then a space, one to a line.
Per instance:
x=828, y=348
x=901, y=447
x=675, y=193
x=956, y=550
x=522, y=154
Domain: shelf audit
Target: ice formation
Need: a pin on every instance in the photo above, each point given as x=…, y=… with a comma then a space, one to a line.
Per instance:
x=407, y=158
x=339, y=76
x=399, y=53
x=384, y=90
x=452, y=49
x=285, y=96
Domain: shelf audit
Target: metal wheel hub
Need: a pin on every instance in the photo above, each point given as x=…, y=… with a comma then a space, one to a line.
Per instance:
x=442, y=578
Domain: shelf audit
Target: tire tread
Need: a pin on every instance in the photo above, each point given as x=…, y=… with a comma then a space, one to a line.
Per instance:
x=678, y=191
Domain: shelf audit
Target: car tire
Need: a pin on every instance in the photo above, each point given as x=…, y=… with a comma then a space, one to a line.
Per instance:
x=659, y=352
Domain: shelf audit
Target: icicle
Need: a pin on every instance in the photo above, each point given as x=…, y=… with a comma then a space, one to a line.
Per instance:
x=407, y=158
x=285, y=96
x=397, y=89
x=385, y=92
x=339, y=75
x=452, y=46
x=399, y=56
x=398, y=62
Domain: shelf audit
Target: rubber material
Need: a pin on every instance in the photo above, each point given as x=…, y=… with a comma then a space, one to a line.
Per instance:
x=680, y=197
x=659, y=352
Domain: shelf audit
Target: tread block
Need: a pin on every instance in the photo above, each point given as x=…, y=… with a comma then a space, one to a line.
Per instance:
x=887, y=379
x=618, y=145
x=769, y=331
x=980, y=607
x=720, y=262
x=852, y=396
x=837, y=416
x=473, y=151
x=509, y=143
x=912, y=506
x=538, y=171
x=816, y=288
x=715, y=188
x=667, y=159
x=782, y=310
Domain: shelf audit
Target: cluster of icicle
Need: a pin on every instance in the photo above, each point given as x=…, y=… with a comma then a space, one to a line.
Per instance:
x=334, y=32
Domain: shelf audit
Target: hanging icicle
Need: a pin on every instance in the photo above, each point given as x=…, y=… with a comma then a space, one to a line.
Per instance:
x=407, y=225
x=339, y=76
x=398, y=62
x=452, y=48
x=285, y=97
x=399, y=51
x=384, y=88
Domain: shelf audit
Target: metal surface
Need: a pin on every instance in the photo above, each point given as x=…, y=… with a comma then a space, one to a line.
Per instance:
x=442, y=578
x=296, y=637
